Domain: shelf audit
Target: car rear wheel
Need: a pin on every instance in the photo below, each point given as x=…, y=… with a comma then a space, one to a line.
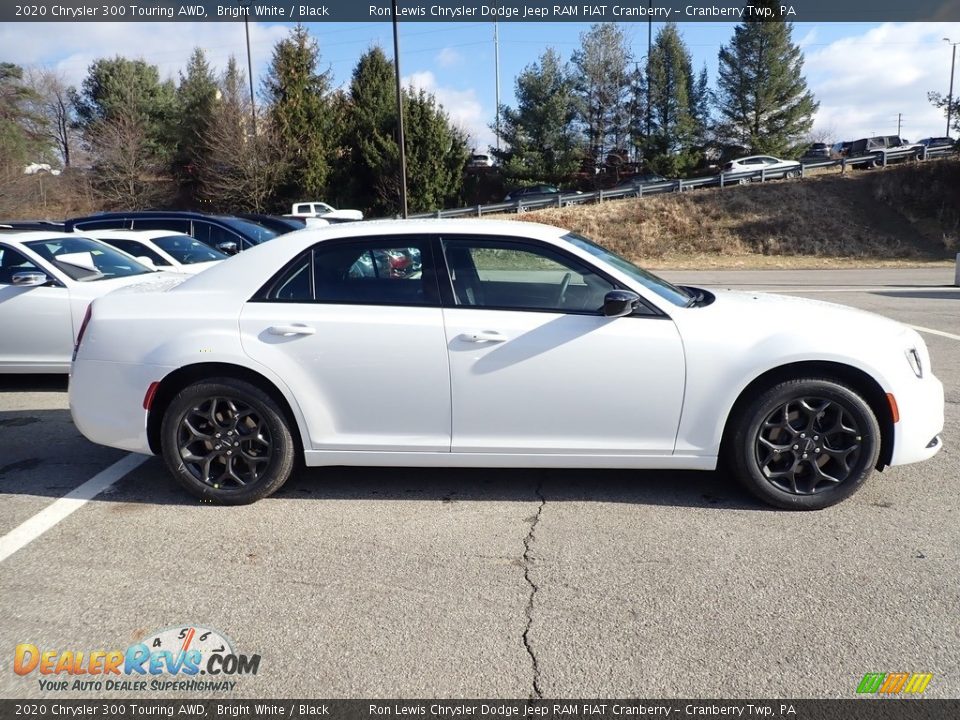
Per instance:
x=793, y=173
x=805, y=444
x=227, y=441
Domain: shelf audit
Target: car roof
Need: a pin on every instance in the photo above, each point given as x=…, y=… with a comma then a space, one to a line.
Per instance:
x=120, y=234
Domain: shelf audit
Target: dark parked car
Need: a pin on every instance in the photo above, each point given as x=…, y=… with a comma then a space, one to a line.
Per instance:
x=642, y=179
x=222, y=232
x=937, y=142
x=817, y=151
x=279, y=223
x=31, y=225
x=533, y=192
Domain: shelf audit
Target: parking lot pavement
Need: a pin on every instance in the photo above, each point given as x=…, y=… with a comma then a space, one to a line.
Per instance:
x=356, y=582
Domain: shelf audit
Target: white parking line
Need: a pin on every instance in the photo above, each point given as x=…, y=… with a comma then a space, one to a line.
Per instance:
x=27, y=532
x=941, y=333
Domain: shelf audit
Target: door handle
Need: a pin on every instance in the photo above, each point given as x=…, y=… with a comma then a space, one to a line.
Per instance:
x=287, y=330
x=483, y=336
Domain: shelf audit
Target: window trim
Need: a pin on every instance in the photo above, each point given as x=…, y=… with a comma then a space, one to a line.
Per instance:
x=449, y=296
x=428, y=269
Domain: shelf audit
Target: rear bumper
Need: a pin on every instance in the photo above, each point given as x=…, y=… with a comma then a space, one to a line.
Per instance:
x=917, y=435
x=106, y=402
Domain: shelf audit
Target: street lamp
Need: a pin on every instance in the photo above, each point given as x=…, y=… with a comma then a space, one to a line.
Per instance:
x=953, y=66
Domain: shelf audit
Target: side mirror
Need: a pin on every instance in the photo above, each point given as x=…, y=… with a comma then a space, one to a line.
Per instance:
x=29, y=278
x=619, y=303
x=144, y=260
x=229, y=247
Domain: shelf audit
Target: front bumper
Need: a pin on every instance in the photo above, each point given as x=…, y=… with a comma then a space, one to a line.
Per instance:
x=917, y=435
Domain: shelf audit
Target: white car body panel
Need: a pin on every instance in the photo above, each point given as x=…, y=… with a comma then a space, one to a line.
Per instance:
x=39, y=325
x=397, y=385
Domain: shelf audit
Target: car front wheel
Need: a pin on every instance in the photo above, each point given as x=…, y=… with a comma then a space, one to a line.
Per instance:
x=805, y=444
x=227, y=441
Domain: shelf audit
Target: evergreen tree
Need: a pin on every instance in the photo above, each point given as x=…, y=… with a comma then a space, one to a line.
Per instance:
x=540, y=132
x=299, y=112
x=603, y=83
x=20, y=143
x=195, y=98
x=763, y=100
x=672, y=100
x=436, y=153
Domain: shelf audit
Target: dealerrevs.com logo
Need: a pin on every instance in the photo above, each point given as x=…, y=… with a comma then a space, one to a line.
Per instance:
x=186, y=658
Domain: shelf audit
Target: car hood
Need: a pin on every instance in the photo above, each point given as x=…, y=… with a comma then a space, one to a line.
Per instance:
x=774, y=314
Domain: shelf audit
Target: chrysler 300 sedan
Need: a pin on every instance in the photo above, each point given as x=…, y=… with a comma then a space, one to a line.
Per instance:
x=519, y=345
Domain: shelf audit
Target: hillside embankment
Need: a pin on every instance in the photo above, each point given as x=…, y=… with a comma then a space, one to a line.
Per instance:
x=901, y=215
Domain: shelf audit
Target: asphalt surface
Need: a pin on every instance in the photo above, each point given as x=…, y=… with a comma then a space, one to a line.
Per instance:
x=472, y=583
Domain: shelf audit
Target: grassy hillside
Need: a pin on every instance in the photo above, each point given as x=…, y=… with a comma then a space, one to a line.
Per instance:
x=909, y=213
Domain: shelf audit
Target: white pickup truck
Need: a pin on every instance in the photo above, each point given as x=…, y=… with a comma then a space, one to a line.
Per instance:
x=314, y=209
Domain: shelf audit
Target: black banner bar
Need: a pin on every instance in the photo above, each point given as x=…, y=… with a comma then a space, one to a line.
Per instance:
x=121, y=709
x=470, y=10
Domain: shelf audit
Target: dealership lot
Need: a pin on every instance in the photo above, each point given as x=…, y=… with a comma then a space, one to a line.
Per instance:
x=369, y=582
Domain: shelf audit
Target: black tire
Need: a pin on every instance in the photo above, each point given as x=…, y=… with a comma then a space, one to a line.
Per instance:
x=793, y=174
x=805, y=444
x=227, y=441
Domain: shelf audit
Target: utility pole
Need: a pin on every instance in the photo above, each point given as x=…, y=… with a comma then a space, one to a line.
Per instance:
x=403, y=148
x=953, y=67
x=246, y=26
x=496, y=52
x=649, y=50
x=899, y=123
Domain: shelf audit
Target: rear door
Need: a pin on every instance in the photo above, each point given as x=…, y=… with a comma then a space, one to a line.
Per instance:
x=356, y=331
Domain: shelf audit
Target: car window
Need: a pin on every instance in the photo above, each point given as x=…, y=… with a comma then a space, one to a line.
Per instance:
x=138, y=249
x=512, y=275
x=12, y=261
x=171, y=224
x=186, y=250
x=214, y=235
x=358, y=273
x=84, y=259
x=106, y=224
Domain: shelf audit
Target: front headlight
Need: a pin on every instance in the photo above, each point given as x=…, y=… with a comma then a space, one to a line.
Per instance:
x=913, y=357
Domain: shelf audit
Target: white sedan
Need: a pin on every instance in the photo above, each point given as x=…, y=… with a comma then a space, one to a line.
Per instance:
x=512, y=345
x=757, y=167
x=177, y=252
x=47, y=280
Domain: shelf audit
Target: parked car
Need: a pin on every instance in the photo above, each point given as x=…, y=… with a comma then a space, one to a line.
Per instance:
x=877, y=147
x=162, y=249
x=480, y=160
x=222, y=232
x=771, y=168
x=816, y=152
x=532, y=192
x=47, y=280
x=281, y=223
x=518, y=345
x=634, y=182
x=31, y=225
x=937, y=142
x=325, y=211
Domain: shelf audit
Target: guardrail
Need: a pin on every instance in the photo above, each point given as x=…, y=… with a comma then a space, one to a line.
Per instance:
x=876, y=158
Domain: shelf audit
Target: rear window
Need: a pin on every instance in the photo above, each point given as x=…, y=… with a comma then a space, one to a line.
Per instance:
x=187, y=251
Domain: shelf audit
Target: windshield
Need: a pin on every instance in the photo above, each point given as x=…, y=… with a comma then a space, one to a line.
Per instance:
x=84, y=259
x=648, y=280
x=251, y=230
x=187, y=251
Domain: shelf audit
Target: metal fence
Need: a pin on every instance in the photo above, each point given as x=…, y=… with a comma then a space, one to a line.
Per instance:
x=876, y=158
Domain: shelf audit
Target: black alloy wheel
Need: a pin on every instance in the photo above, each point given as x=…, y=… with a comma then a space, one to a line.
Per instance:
x=805, y=444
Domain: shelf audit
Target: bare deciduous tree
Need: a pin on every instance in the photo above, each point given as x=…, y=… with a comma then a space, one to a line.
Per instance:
x=53, y=111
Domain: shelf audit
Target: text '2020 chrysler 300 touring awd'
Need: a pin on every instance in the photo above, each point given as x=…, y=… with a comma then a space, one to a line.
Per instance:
x=519, y=345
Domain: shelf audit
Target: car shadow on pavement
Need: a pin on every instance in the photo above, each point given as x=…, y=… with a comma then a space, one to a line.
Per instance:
x=920, y=294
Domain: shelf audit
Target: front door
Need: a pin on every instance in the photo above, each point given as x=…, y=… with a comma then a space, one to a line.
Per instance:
x=535, y=366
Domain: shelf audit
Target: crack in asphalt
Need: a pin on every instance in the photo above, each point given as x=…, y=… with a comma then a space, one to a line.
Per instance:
x=537, y=692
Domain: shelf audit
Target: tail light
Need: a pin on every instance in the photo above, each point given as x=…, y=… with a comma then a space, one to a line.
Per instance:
x=83, y=329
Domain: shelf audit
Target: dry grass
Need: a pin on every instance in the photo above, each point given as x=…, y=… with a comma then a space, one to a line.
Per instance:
x=823, y=221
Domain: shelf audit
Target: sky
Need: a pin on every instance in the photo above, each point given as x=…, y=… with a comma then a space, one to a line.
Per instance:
x=863, y=74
